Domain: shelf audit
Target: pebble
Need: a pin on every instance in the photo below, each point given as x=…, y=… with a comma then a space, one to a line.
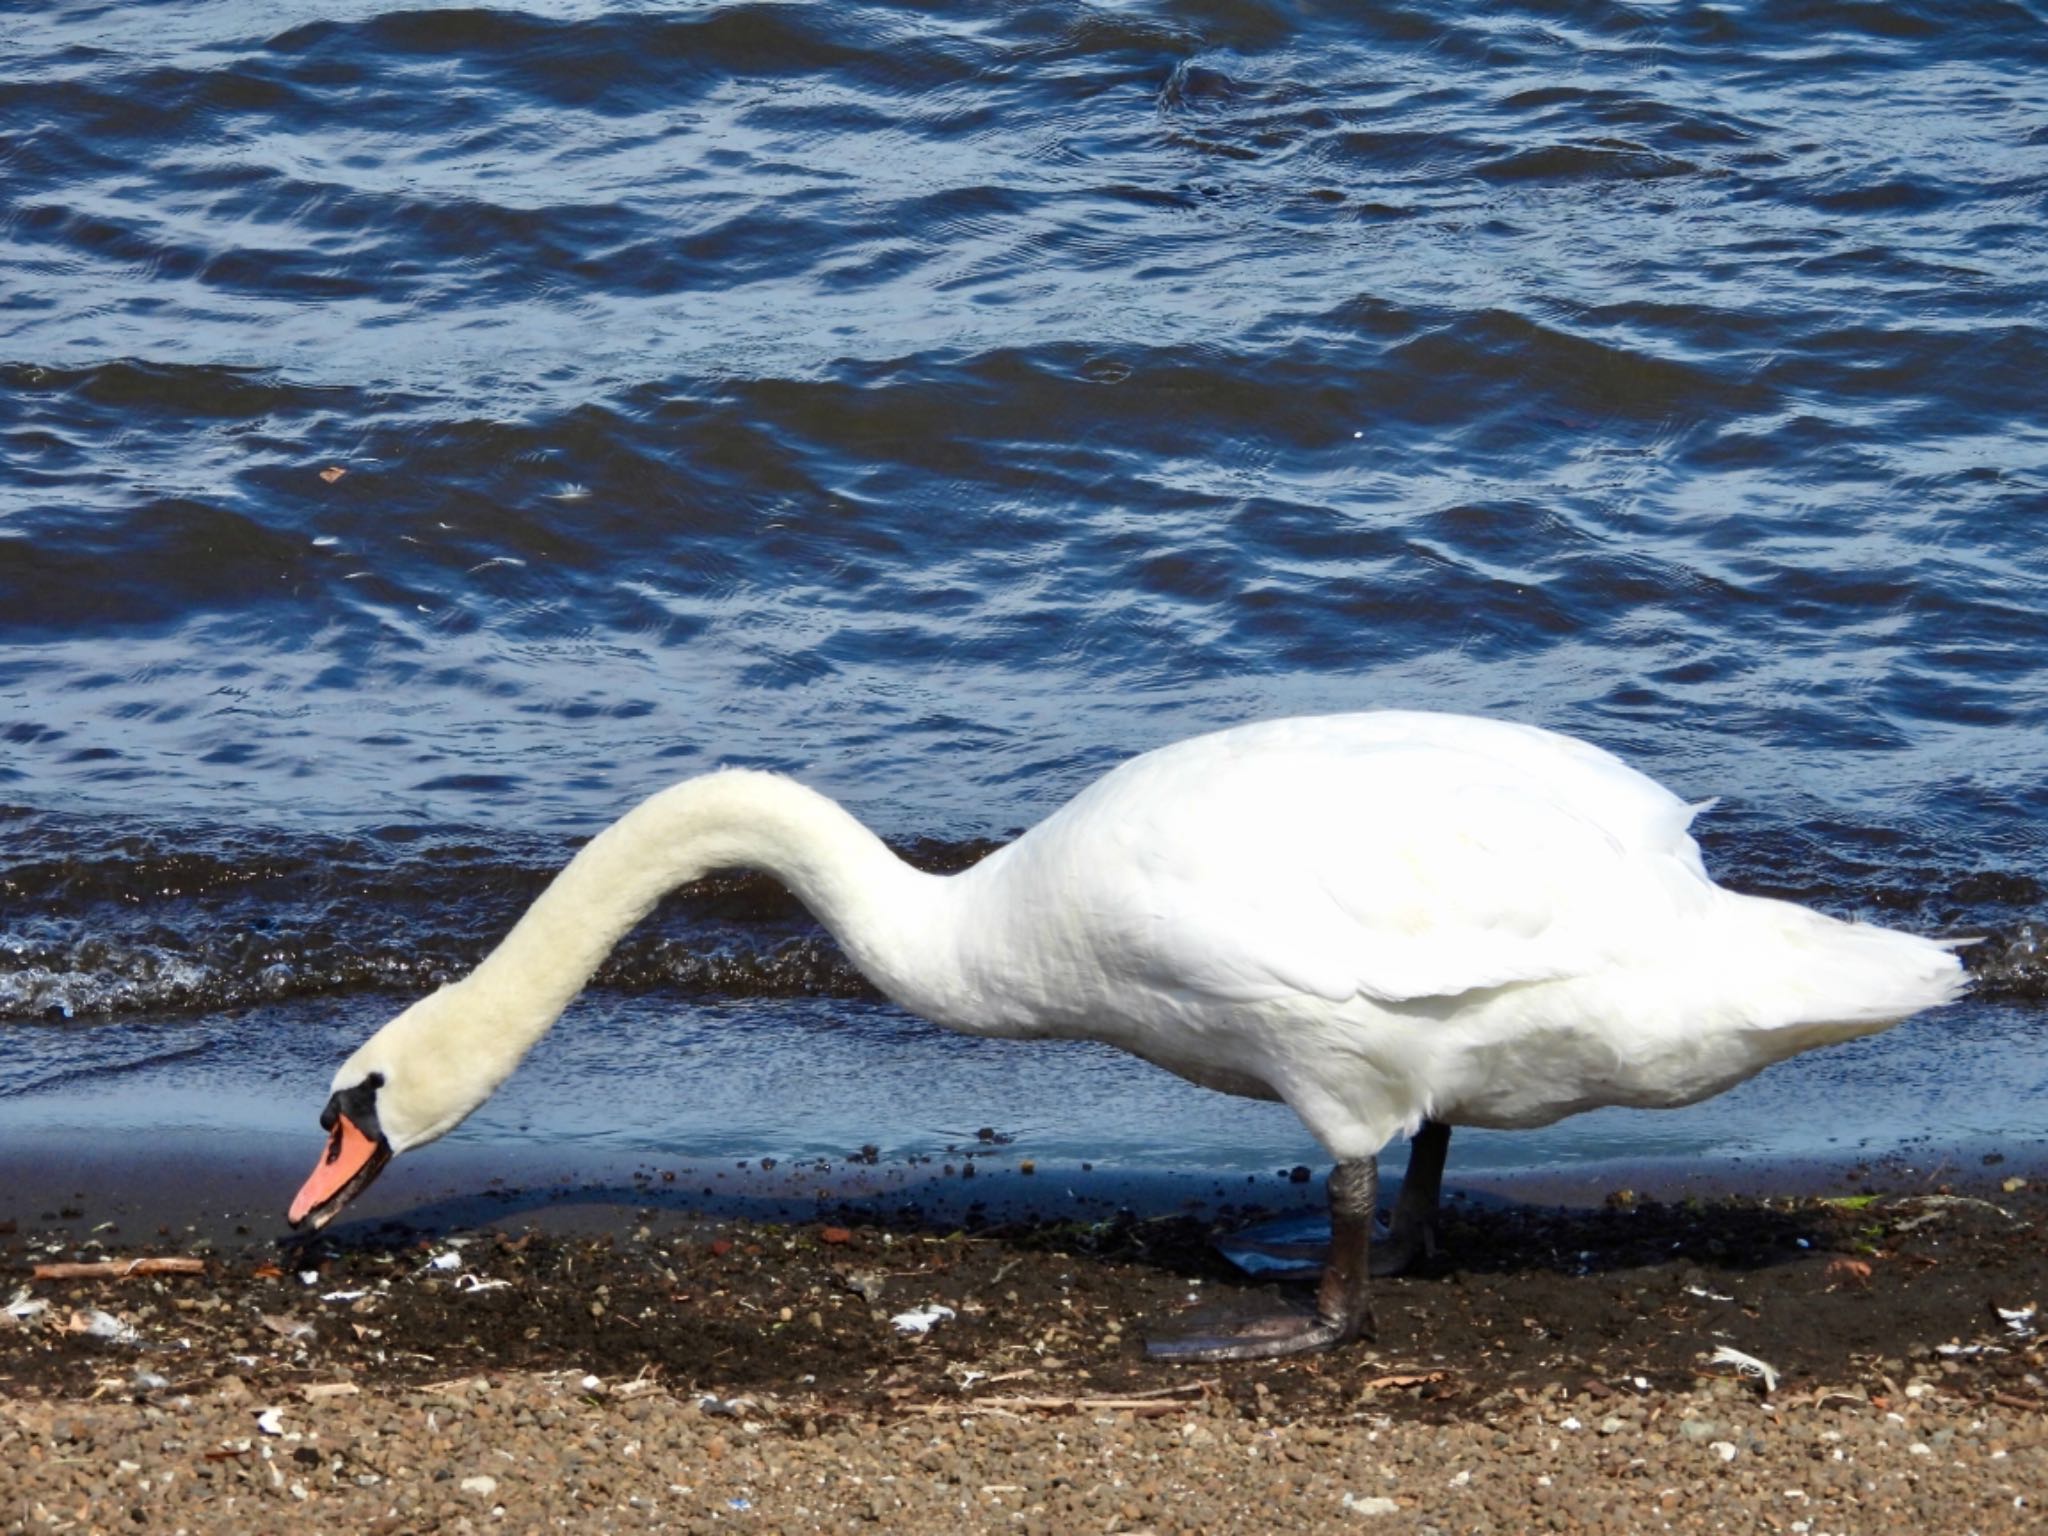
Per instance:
x=1374, y=1504
x=584, y=1460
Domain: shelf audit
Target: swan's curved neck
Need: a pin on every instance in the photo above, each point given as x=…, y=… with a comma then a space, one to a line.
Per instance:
x=880, y=910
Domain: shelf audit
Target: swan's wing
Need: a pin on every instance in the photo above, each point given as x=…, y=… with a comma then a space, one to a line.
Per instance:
x=1393, y=862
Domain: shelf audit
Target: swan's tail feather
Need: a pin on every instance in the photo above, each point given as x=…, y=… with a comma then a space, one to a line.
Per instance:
x=1821, y=976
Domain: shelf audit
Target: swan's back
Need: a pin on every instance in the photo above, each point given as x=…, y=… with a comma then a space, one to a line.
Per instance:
x=1393, y=855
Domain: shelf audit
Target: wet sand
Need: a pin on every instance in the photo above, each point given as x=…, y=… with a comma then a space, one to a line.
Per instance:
x=644, y=1366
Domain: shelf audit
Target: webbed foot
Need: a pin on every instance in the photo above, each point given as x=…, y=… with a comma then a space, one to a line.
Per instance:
x=1343, y=1310
x=1260, y=1338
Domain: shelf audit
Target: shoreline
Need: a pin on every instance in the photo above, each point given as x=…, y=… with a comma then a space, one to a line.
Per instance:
x=238, y=1194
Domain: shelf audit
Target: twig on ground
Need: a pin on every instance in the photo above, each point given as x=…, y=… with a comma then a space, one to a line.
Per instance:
x=1142, y=1404
x=1403, y=1379
x=118, y=1269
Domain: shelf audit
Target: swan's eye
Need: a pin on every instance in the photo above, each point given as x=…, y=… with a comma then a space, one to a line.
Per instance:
x=358, y=1103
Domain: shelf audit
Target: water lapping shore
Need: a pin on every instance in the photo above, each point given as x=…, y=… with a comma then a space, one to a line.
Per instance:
x=424, y=432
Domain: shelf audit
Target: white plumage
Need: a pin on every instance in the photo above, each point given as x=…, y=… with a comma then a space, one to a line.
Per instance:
x=1385, y=917
x=1382, y=919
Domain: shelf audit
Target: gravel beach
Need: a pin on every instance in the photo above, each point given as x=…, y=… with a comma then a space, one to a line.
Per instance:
x=1552, y=1369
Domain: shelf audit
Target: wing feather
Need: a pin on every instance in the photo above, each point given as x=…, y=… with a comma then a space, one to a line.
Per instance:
x=1393, y=856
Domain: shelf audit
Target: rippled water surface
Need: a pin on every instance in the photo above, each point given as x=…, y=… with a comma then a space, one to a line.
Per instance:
x=424, y=431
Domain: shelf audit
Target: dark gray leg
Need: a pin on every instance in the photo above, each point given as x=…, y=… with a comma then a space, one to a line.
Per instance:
x=1343, y=1306
x=1342, y=1300
x=1413, y=1233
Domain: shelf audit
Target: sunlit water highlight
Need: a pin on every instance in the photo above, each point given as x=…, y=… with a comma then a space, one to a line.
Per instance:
x=422, y=432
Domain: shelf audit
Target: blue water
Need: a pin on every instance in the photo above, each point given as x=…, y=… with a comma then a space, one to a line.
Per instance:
x=424, y=431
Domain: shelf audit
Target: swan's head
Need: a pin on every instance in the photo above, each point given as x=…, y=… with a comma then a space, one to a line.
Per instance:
x=416, y=1079
x=357, y=1150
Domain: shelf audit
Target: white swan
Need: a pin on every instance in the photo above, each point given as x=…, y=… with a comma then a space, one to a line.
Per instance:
x=1394, y=922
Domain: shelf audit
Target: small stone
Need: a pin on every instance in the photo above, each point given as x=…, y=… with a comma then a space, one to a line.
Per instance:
x=1371, y=1506
x=482, y=1485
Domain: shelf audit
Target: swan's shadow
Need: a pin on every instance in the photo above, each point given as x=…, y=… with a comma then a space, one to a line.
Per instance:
x=1480, y=1233
x=746, y=1293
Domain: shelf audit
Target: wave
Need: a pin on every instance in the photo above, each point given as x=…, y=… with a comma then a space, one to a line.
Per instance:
x=2013, y=964
x=161, y=921
x=99, y=921
x=105, y=978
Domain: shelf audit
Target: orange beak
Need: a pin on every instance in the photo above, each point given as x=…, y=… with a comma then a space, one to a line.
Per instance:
x=352, y=1160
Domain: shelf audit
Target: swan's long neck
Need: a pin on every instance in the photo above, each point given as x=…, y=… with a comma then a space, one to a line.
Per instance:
x=470, y=1035
x=870, y=899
